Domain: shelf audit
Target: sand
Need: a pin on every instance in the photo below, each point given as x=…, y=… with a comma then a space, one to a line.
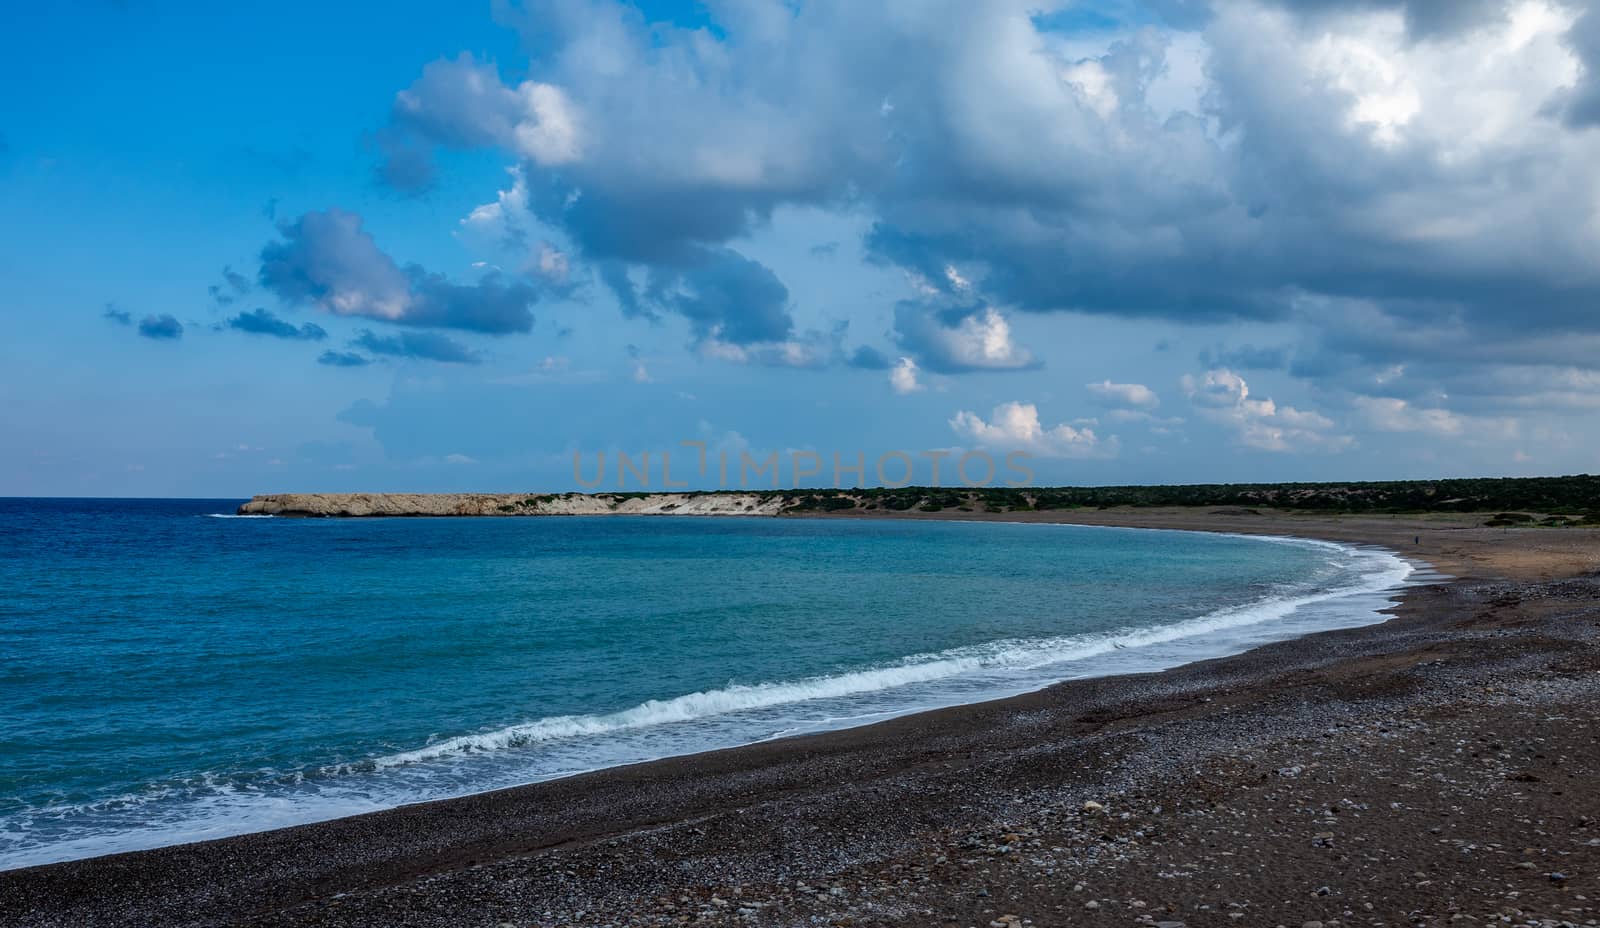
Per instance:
x=1440, y=767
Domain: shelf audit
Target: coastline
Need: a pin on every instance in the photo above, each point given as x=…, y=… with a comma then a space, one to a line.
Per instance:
x=913, y=778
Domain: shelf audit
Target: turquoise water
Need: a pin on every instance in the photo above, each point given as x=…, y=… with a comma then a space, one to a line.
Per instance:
x=167, y=675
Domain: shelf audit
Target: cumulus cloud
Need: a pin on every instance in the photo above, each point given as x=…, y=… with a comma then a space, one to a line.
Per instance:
x=163, y=327
x=462, y=103
x=956, y=338
x=260, y=322
x=903, y=377
x=1223, y=396
x=119, y=316
x=1251, y=155
x=327, y=259
x=425, y=346
x=1125, y=394
x=1396, y=415
x=1015, y=427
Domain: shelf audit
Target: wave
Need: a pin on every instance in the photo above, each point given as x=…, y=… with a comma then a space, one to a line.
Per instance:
x=236, y=515
x=1007, y=655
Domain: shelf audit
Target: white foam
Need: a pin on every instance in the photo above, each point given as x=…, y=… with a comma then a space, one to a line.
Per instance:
x=236, y=515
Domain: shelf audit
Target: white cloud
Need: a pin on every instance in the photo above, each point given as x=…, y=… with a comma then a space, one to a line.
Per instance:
x=1016, y=427
x=551, y=263
x=508, y=211
x=1125, y=394
x=1223, y=396
x=1391, y=414
x=548, y=135
x=903, y=377
x=979, y=340
x=1396, y=415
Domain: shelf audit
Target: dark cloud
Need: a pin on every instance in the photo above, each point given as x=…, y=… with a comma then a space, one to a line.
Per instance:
x=120, y=317
x=260, y=322
x=328, y=259
x=457, y=103
x=163, y=327
x=1424, y=18
x=425, y=346
x=233, y=286
x=343, y=359
x=869, y=358
x=1581, y=106
x=724, y=295
x=614, y=274
x=732, y=298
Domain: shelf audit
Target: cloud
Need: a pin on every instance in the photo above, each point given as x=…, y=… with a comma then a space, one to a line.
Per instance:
x=1232, y=163
x=1125, y=394
x=233, y=286
x=1223, y=396
x=903, y=378
x=260, y=322
x=956, y=338
x=425, y=346
x=868, y=358
x=343, y=359
x=119, y=316
x=730, y=297
x=1580, y=106
x=812, y=350
x=1015, y=427
x=1421, y=19
x=1396, y=415
x=461, y=103
x=327, y=259
x=163, y=327
x=727, y=298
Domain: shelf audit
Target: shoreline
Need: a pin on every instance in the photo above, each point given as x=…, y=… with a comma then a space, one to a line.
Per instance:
x=1370, y=599
x=1366, y=601
x=316, y=868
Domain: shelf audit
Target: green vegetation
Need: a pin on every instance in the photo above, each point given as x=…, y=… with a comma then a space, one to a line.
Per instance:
x=1556, y=500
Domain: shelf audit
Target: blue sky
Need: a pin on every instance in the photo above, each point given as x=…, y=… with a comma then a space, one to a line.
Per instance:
x=418, y=247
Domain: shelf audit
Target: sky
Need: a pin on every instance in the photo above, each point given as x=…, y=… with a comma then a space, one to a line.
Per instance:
x=449, y=247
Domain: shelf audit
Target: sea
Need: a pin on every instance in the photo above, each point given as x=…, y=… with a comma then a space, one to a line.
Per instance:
x=171, y=672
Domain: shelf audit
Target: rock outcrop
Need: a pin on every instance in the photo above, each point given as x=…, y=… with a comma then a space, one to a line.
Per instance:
x=360, y=505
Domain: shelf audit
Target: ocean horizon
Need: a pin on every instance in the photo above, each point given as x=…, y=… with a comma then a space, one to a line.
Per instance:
x=174, y=672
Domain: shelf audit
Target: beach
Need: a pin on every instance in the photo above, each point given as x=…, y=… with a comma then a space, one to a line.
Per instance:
x=1437, y=767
